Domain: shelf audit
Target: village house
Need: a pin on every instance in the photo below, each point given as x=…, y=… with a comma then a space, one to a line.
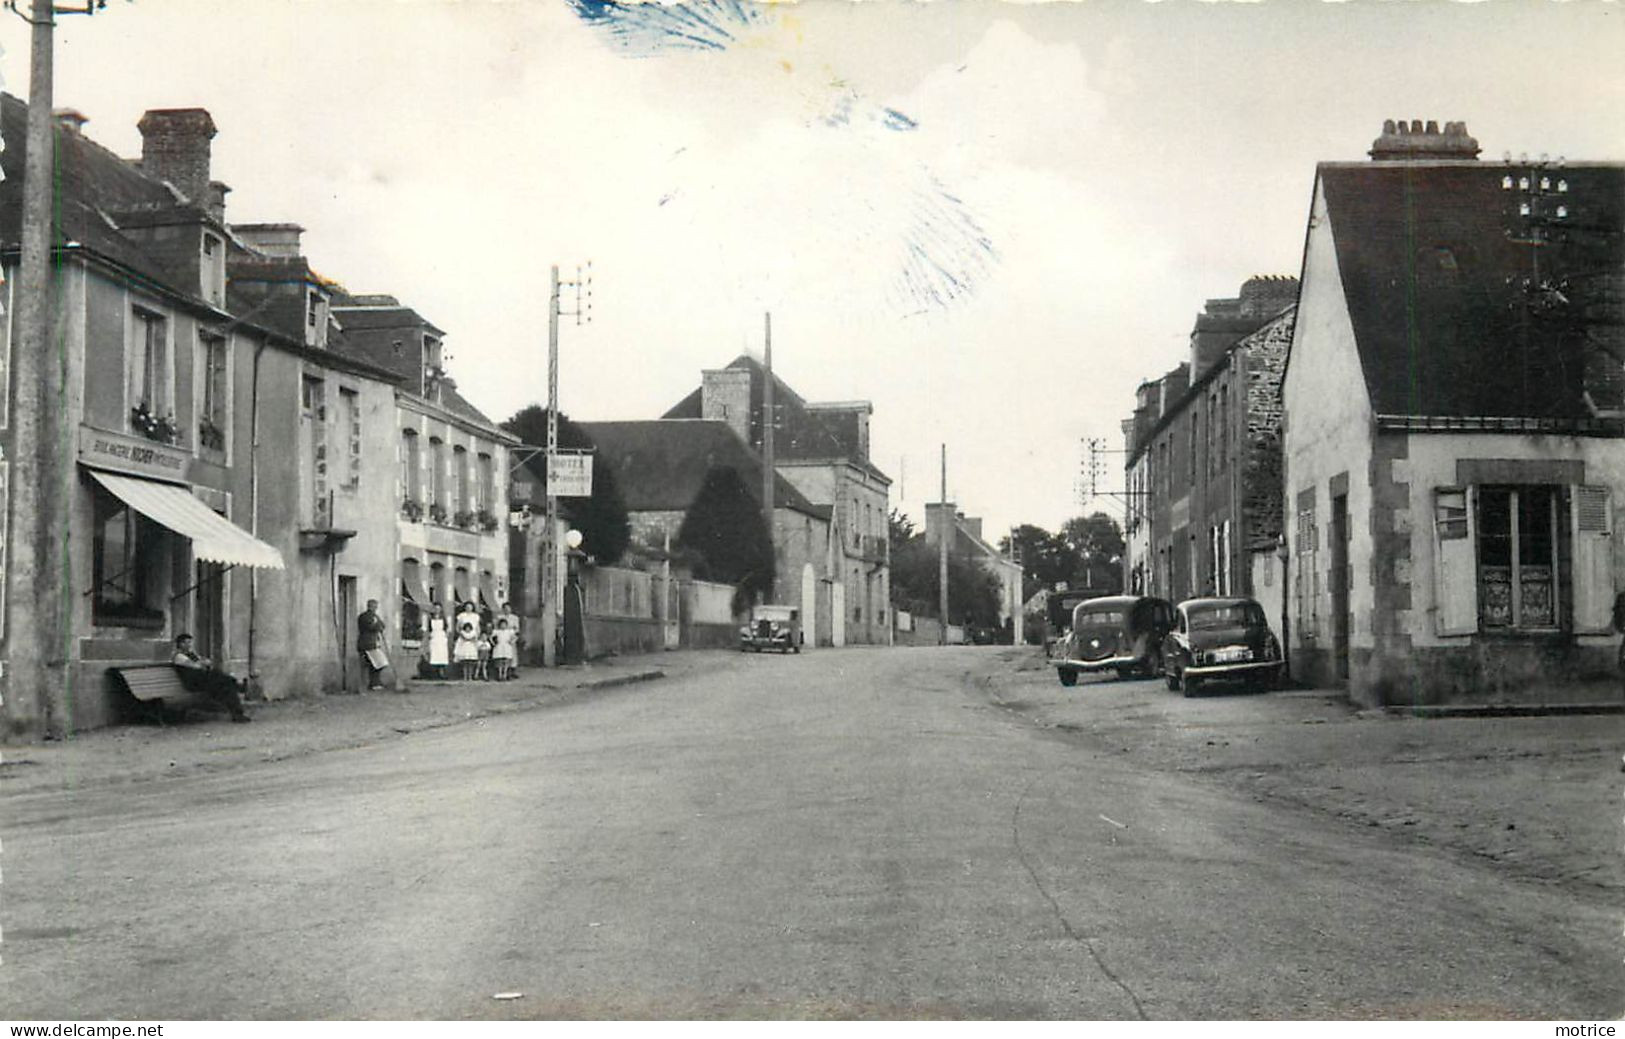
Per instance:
x=1453, y=464
x=822, y=449
x=1203, y=454
x=968, y=543
x=187, y=511
x=450, y=498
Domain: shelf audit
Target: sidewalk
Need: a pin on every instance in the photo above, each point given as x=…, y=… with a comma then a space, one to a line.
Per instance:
x=293, y=728
x=1536, y=795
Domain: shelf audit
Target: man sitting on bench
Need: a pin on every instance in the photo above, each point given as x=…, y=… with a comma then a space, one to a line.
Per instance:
x=198, y=676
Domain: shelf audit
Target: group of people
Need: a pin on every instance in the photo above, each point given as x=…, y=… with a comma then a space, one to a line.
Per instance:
x=483, y=645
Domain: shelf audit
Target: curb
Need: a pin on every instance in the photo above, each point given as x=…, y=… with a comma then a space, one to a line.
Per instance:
x=1511, y=710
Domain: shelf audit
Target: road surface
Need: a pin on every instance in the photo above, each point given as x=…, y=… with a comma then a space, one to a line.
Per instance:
x=861, y=833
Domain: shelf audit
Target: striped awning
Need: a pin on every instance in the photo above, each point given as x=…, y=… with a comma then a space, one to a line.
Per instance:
x=214, y=538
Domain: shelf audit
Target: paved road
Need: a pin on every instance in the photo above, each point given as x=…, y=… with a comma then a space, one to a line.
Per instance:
x=853, y=834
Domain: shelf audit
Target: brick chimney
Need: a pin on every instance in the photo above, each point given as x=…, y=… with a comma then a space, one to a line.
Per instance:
x=279, y=240
x=1415, y=141
x=175, y=147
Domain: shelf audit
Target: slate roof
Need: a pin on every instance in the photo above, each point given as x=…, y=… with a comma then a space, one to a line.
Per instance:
x=93, y=184
x=660, y=464
x=802, y=434
x=1434, y=281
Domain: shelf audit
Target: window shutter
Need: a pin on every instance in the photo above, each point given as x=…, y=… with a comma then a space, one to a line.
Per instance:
x=1455, y=577
x=1591, y=524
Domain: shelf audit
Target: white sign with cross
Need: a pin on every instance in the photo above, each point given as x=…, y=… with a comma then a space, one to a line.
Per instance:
x=569, y=476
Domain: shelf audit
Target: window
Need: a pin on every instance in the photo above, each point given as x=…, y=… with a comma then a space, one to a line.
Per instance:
x=411, y=468
x=488, y=490
x=213, y=270
x=313, y=309
x=1305, y=589
x=1517, y=557
x=459, y=475
x=1222, y=451
x=350, y=429
x=214, y=415
x=129, y=556
x=149, y=364
x=313, y=429
x=437, y=480
x=411, y=609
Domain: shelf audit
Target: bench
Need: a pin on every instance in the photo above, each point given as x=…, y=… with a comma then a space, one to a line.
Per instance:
x=158, y=689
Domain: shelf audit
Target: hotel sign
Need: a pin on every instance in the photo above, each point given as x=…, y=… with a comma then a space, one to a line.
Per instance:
x=123, y=453
x=569, y=476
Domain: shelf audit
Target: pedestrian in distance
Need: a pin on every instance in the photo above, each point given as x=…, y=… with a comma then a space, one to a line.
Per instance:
x=502, y=648
x=438, y=642
x=372, y=644
x=466, y=651
x=199, y=675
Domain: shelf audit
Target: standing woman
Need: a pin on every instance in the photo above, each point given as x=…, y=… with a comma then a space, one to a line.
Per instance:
x=439, y=647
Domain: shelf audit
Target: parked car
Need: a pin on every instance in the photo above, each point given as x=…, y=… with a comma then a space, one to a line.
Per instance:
x=1216, y=640
x=1058, y=607
x=772, y=627
x=1121, y=633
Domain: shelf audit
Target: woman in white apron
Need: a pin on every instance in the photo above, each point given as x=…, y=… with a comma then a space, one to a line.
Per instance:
x=439, y=647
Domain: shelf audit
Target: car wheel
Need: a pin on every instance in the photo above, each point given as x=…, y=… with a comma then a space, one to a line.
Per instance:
x=1189, y=685
x=1069, y=677
x=1170, y=677
x=1153, y=664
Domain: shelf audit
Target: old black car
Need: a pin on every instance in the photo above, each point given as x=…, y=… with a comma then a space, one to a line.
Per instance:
x=1121, y=633
x=1220, y=640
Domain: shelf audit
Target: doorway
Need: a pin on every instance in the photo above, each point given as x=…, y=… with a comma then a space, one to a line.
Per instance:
x=349, y=610
x=209, y=612
x=1340, y=575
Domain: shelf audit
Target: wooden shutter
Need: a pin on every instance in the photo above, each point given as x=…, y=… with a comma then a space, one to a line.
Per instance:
x=1591, y=525
x=1455, y=574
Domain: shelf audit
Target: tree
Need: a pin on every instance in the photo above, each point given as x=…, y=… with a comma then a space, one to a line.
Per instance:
x=899, y=529
x=602, y=520
x=973, y=594
x=1097, y=542
x=725, y=529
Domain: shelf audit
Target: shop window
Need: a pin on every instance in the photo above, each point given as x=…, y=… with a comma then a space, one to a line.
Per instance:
x=129, y=558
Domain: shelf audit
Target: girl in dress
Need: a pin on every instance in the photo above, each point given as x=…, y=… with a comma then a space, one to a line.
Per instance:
x=484, y=647
x=439, y=648
x=502, y=648
x=467, y=649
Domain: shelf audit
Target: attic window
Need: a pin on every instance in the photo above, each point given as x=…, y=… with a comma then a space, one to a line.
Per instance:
x=397, y=345
x=313, y=309
x=210, y=244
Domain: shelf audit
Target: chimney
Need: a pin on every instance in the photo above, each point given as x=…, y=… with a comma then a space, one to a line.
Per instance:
x=70, y=119
x=278, y=240
x=973, y=527
x=1415, y=141
x=175, y=147
x=217, y=202
x=725, y=397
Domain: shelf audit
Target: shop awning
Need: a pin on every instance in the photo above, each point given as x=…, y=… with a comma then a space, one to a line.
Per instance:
x=214, y=538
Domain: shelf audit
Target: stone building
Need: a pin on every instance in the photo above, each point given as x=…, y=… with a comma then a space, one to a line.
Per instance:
x=1203, y=453
x=1453, y=457
x=969, y=544
x=822, y=449
x=187, y=510
x=450, y=495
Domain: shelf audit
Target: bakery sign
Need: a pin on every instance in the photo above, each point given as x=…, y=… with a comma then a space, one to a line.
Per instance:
x=124, y=453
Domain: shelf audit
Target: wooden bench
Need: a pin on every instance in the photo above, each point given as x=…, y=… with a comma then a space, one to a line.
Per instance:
x=158, y=689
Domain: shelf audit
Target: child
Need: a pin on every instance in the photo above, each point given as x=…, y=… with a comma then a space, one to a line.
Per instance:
x=467, y=650
x=483, y=646
x=502, y=648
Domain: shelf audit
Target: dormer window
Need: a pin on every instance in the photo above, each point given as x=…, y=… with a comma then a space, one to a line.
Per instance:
x=212, y=270
x=313, y=311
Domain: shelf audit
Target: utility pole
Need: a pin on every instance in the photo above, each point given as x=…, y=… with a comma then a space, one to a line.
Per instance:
x=549, y=567
x=945, y=534
x=768, y=422
x=551, y=588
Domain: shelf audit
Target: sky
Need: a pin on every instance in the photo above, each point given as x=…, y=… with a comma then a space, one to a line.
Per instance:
x=991, y=220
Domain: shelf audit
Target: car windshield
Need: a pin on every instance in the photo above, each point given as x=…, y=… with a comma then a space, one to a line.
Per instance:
x=1102, y=618
x=1232, y=615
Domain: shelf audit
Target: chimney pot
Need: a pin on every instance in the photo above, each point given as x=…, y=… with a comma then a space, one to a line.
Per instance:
x=71, y=119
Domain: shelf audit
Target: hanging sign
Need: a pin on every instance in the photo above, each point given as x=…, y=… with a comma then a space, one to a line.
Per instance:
x=569, y=476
